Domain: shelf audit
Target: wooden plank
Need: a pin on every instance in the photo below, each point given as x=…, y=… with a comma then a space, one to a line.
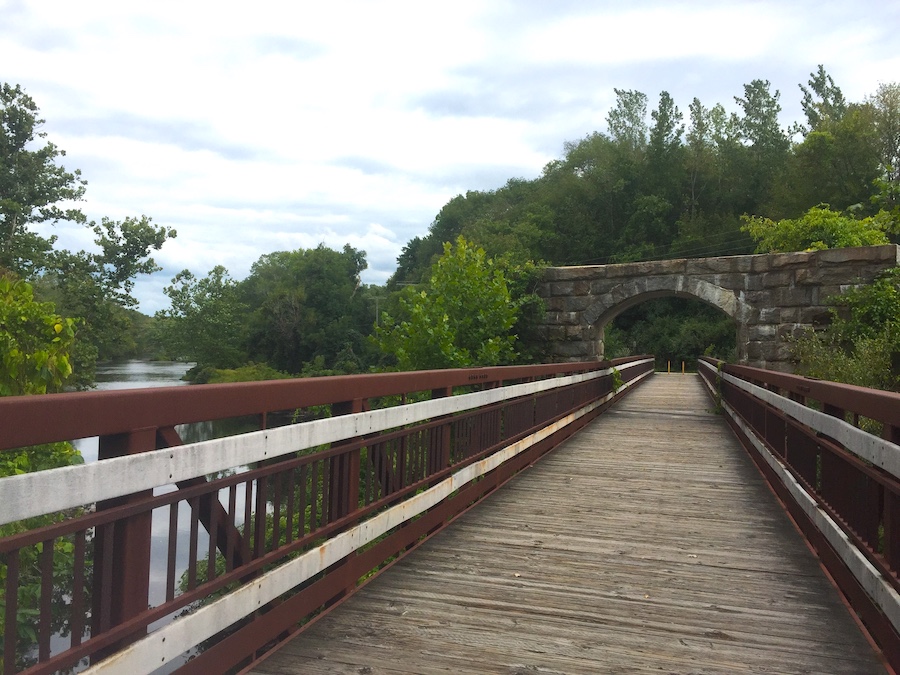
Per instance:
x=647, y=542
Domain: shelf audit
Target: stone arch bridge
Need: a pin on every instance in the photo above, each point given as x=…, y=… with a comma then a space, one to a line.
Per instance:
x=770, y=296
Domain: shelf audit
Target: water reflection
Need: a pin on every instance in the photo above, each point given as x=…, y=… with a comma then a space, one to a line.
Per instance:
x=132, y=375
x=141, y=374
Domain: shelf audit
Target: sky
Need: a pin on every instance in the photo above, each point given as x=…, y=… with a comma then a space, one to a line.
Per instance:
x=271, y=126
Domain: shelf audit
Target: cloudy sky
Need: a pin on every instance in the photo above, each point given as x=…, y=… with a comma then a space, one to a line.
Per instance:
x=257, y=127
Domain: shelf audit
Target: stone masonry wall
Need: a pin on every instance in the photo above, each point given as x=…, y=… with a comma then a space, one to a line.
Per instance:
x=770, y=296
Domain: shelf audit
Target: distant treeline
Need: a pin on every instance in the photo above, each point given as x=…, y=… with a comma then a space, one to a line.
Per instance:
x=677, y=184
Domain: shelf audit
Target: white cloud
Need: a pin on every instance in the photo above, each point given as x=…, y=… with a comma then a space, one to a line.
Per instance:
x=288, y=125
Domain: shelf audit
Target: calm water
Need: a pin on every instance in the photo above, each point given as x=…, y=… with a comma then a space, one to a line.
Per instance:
x=140, y=374
x=133, y=375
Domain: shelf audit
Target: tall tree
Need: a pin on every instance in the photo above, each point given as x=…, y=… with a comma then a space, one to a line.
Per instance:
x=836, y=164
x=769, y=144
x=823, y=101
x=206, y=319
x=667, y=128
x=700, y=156
x=627, y=121
x=96, y=287
x=307, y=305
x=886, y=102
x=32, y=184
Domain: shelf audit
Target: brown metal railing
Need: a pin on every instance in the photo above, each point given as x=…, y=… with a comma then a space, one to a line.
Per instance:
x=256, y=517
x=852, y=477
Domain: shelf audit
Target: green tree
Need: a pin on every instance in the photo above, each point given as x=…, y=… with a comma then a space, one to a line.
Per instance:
x=823, y=101
x=33, y=187
x=886, y=104
x=34, y=359
x=308, y=303
x=861, y=345
x=96, y=287
x=836, y=163
x=819, y=228
x=769, y=144
x=627, y=120
x=34, y=342
x=205, y=322
x=463, y=317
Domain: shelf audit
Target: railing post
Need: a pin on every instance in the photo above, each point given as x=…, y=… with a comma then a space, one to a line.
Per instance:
x=344, y=472
x=121, y=580
x=440, y=456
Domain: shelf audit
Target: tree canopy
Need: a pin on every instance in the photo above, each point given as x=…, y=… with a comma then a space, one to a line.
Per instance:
x=295, y=308
x=461, y=318
x=95, y=286
x=659, y=183
x=819, y=228
x=34, y=342
x=33, y=186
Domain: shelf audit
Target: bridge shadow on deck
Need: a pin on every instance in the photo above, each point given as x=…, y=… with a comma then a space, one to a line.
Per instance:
x=647, y=542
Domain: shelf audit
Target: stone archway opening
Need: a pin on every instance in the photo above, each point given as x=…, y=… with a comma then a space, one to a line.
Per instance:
x=677, y=329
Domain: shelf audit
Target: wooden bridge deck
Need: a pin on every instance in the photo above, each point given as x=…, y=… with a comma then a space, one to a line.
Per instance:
x=647, y=542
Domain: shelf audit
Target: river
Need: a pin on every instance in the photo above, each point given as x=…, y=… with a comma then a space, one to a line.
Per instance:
x=133, y=375
x=144, y=374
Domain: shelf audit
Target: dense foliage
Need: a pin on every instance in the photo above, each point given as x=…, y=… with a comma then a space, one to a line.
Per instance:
x=675, y=330
x=461, y=318
x=35, y=345
x=862, y=343
x=817, y=229
x=299, y=312
x=34, y=342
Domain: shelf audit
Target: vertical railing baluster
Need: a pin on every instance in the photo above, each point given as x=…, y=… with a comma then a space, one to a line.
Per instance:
x=324, y=511
x=193, y=542
x=78, y=579
x=302, y=525
x=211, y=547
x=172, y=551
x=248, y=520
x=10, y=625
x=277, y=478
x=259, y=529
x=368, y=469
x=289, y=509
x=232, y=530
x=46, y=601
x=314, y=496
